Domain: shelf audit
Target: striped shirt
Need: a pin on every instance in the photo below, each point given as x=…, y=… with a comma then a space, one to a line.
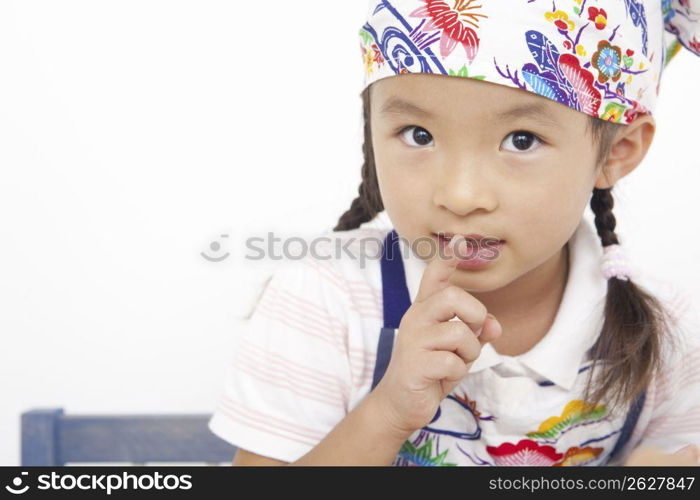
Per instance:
x=306, y=358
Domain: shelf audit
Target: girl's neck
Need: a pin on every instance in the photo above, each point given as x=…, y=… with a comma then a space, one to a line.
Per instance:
x=527, y=307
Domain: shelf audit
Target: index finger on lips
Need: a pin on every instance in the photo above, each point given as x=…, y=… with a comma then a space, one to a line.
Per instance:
x=437, y=273
x=453, y=303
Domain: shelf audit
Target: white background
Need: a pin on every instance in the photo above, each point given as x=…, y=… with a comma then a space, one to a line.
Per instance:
x=135, y=133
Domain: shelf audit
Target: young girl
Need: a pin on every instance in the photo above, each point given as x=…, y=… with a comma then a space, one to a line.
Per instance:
x=485, y=323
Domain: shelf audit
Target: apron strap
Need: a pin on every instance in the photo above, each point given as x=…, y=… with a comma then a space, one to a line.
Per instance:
x=396, y=301
x=629, y=425
x=394, y=289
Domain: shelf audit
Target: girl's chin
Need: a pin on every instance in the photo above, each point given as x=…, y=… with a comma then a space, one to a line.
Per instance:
x=478, y=281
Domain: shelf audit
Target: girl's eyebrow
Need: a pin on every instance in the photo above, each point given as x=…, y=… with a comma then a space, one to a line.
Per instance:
x=396, y=105
x=538, y=111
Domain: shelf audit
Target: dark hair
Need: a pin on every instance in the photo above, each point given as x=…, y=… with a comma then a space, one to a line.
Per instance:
x=629, y=346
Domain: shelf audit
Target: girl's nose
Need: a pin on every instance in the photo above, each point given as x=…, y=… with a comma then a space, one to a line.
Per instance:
x=463, y=192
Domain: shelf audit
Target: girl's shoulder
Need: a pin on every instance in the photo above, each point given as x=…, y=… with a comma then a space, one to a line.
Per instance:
x=348, y=265
x=363, y=243
x=337, y=269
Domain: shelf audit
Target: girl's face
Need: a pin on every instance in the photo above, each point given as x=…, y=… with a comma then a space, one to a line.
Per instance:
x=458, y=155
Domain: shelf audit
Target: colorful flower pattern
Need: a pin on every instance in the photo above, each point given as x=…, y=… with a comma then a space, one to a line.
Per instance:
x=541, y=447
x=451, y=19
x=575, y=413
x=525, y=452
x=595, y=56
x=608, y=61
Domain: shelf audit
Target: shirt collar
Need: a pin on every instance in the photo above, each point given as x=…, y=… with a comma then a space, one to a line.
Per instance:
x=557, y=356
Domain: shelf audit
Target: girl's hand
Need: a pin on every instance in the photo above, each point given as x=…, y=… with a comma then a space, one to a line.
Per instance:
x=432, y=354
x=686, y=456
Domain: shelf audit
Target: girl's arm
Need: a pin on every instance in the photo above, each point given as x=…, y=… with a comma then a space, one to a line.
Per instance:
x=686, y=456
x=361, y=438
x=245, y=457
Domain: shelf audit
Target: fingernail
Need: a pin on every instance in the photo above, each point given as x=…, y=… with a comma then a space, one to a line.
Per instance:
x=449, y=250
x=479, y=330
x=456, y=242
x=496, y=323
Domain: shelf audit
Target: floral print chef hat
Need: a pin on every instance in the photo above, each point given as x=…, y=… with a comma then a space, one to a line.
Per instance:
x=601, y=57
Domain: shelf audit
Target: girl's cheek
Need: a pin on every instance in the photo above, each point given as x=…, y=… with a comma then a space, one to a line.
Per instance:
x=406, y=187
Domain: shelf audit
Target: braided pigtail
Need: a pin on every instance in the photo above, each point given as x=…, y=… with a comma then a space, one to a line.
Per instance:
x=634, y=321
x=369, y=202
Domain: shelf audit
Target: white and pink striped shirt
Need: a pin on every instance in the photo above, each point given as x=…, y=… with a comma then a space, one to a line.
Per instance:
x=307, y=354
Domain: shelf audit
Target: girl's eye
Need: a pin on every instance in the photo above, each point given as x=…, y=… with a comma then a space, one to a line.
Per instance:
x=421, y=136
x=522, y=139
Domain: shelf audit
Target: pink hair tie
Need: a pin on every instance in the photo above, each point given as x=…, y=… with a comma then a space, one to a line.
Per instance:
x=615, y=263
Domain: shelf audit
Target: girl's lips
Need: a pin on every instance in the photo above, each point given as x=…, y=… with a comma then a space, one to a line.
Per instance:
x=487, y=252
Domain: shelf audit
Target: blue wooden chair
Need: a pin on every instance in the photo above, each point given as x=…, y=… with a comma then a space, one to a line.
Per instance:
x=51, y=438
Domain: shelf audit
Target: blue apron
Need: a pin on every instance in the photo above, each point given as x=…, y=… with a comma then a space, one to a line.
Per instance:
x=397, y=300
